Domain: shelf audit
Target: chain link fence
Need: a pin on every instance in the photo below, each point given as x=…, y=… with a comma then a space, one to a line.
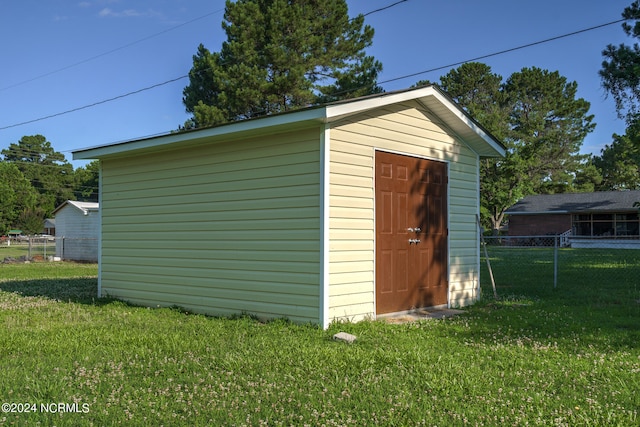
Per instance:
x=519, y=264
x=513, y=264
x=48, y=248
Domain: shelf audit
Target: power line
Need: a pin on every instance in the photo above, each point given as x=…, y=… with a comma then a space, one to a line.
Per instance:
x=104, y=101
x=385, y=81
x=109, y=52
x=140, y=90
x=384, y=8
x=504, y=51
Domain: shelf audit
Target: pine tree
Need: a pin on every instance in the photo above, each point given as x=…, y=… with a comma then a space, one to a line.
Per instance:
x=16, y=195
x=541, y=122
x=47, y=170
x=620, y=71
x=620, y=161
x=280, y=55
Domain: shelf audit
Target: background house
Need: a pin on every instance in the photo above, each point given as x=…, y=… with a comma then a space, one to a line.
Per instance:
x=599, y=215
x=345, y=211
x=49, y=226
x=77, y=230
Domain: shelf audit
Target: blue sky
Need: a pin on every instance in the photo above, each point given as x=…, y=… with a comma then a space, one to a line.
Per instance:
x=59, y=55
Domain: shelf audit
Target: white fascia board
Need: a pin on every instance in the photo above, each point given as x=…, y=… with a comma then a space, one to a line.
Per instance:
x=446, y=110
x=433, y=99
x=62, y=205
x=84, y=207
x=236, y=128
x=458, y=120
x=337, y=111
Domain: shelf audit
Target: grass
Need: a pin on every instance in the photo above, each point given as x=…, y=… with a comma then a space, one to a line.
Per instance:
x=563, y=357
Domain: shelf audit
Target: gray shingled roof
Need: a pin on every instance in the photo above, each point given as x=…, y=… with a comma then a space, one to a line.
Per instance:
x=601, y=201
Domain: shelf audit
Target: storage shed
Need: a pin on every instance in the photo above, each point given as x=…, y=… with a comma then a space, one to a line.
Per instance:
x=344, y=211
x=77, y=231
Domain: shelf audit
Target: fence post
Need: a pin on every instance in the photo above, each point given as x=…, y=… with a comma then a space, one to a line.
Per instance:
x=486, y=256
x=555, y=261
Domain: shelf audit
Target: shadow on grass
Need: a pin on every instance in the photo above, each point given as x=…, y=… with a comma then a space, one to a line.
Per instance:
x=76, y=290
x=85, y=291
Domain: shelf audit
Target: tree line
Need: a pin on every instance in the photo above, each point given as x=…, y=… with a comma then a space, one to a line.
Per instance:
x=282, y=55
x=35, y=179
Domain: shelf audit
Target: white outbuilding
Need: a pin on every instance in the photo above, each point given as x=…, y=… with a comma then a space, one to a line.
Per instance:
x=77, y=230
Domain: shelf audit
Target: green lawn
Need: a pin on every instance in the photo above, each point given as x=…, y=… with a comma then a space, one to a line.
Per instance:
x=537, y=356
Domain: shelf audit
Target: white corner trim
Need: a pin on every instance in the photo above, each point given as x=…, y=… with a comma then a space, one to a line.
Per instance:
x=325, y=147
x=479, y=231
x=100, y=230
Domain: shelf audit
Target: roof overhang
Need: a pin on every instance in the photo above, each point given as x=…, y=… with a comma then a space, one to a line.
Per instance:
x=431, y=97
x=84, y=207
x=574, y=212
x=512, y=213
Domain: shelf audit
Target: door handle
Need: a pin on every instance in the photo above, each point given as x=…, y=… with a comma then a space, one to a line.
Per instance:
x=416, y=241
x=417, y=229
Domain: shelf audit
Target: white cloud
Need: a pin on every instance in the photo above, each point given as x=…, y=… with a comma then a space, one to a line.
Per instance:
x=127, y=13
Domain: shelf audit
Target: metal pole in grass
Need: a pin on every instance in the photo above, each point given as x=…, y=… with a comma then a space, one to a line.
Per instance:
x=555, y=261
x=486, y=256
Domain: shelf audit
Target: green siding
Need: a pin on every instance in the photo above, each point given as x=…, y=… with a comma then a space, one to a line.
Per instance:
x=218, y=228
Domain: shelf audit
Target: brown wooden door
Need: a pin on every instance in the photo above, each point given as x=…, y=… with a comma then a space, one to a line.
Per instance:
x=411, y=233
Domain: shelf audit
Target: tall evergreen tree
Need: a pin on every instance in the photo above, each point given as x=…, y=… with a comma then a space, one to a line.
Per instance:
x=542, y=123
x=549, y=125
x=479, y=91
x=620, y=161
x=16, y=195
x=86, y=182
x=47, y=170
x=280, y=55
x=620, y=73
x=620, y=70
